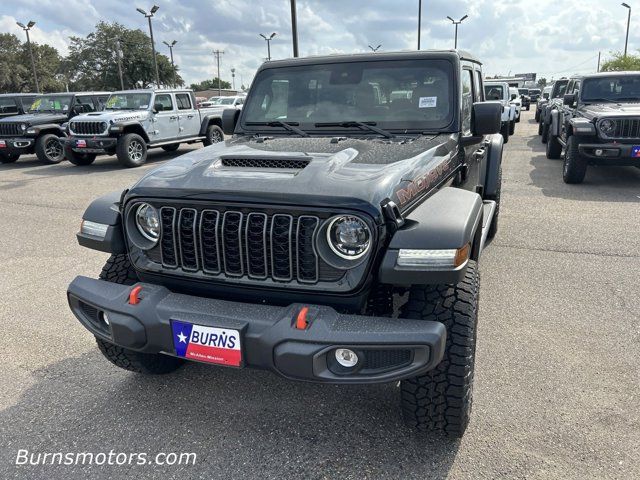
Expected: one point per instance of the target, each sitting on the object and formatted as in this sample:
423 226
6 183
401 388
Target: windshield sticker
427 102
36 104
112 102
143 107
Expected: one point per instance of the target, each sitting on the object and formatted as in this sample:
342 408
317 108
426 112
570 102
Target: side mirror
229 120
513 96
486 118
157 107
569 99
545 96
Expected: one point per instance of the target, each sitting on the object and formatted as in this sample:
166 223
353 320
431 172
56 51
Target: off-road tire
118 269
528 107
554 148
79 159
213 135
575 165
493 228
545 131
441 399
46 150
9 157
504 131
537 117
131 150
512 127
171 148
518 118
539 128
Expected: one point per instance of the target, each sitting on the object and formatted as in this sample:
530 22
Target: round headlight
607 126
103 126
148 222
349 237
23 126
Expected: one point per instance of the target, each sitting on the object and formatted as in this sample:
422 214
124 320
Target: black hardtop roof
19 94
609 74
371 57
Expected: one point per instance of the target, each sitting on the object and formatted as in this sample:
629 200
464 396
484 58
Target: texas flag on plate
81 143
207 344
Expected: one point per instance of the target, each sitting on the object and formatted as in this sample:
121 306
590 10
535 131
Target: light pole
375 49
154 9
294 27
419 21
626 42
456 24
233 78
33 63
217 53
173 67
268 39
119 56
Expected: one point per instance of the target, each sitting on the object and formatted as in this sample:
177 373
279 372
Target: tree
542 82
210 85
620 62
92 63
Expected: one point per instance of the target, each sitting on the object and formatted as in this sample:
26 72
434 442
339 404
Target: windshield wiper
601 100
279 123
361 125
628 99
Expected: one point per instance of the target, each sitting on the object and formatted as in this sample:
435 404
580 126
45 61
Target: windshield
535 91
225 101
395 94
559 89
51 103
128 101
614 88
8 105
493 92
214 99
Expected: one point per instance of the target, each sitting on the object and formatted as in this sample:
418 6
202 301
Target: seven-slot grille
236 243
625 128
7 129
88 128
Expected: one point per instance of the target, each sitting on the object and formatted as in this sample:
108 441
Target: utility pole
419 21
597 71
173 67
294 28
153 10
33 62
119 60
217 53
626 42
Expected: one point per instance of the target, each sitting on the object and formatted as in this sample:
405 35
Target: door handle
190 116
173 117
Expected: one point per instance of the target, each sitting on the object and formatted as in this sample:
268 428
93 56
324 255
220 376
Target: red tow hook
301 319
134 295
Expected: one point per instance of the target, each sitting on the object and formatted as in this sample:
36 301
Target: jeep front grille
87 128
236 242
10 129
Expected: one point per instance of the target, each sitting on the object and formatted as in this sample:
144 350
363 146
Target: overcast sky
550 37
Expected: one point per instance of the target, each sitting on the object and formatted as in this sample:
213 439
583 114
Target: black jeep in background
525 98
334 238
39 130
15 103
599 124
555 102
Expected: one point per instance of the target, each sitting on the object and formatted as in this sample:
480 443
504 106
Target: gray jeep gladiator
335 237
598 124
135 120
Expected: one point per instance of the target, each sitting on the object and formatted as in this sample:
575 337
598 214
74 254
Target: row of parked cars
591 120
80 126
513 100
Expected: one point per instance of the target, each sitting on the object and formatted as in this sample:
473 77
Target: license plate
81 143
3 144
635 151
207 344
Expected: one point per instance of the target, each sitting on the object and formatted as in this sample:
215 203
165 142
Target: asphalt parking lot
557 382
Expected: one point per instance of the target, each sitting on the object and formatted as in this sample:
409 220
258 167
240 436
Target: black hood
350 173
598 110
37 118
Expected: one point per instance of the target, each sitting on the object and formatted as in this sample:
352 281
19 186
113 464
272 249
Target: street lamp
374 49
173 67
626 42
268 39
33 63
456 24
233 78
154 9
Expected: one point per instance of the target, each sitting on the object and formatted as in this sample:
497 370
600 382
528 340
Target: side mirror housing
569 98
486 118
157 107
513 96
545 96
229 120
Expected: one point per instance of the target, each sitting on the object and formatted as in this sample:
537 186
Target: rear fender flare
494 160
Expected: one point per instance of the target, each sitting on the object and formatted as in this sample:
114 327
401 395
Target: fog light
347 358
598 152
105 319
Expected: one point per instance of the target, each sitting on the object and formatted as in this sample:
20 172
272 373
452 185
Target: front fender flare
104 210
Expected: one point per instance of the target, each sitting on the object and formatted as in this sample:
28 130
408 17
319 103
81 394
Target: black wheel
539 128
441 399
554 147
518 118
171 148
214 135
48 149
118 269
79 159
131 150
504 130
493 228
528 107
512 127
545 131
575 165
9 157
538 116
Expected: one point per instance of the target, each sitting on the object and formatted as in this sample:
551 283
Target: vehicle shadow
601 184
240 423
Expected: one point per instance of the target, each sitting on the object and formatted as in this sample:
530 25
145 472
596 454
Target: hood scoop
264 163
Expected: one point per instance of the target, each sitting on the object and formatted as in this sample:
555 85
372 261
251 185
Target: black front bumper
389 349
90 144
16 145
614 154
